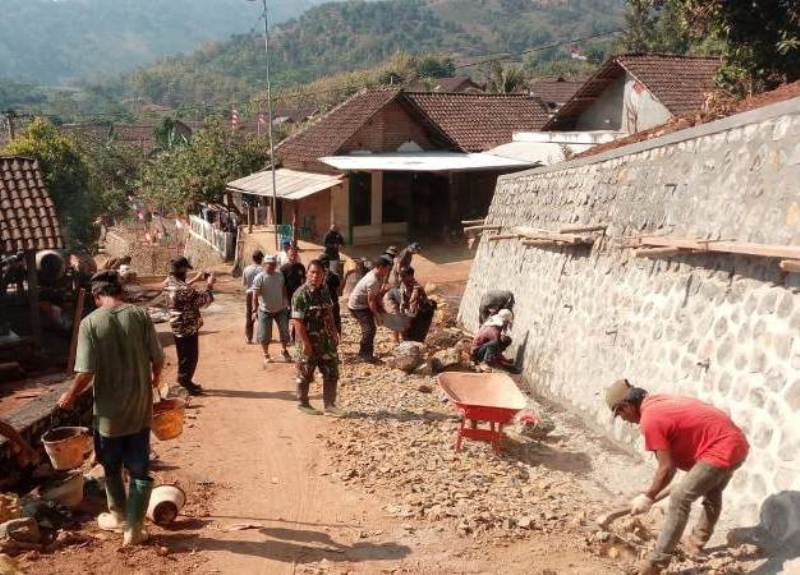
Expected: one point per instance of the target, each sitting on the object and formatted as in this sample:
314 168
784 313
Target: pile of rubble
399 441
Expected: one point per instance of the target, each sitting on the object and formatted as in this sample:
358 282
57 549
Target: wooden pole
578 229
482 228
725 246
660 252
76 324
33 297
790 266
472 222
504 237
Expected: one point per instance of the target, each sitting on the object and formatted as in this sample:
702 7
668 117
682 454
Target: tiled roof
678 82
456 84
554 90
27 214
325 136
478 122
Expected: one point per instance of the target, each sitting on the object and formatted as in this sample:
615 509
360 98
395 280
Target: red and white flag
235 118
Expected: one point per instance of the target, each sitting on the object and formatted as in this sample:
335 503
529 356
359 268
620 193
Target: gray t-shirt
272 295
369 285
249 275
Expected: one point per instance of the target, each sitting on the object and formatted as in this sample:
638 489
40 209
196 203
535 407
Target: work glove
641 504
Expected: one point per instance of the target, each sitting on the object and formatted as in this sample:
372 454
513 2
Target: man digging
317 340
118 351
685 434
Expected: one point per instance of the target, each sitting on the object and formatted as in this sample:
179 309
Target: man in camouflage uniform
185 320
317 340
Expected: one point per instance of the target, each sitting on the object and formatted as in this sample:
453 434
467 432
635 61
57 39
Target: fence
224 243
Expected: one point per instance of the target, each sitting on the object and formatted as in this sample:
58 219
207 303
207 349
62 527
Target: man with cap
185 303
491 340
118 351
317 340
248 277
686 434
365 304
272 302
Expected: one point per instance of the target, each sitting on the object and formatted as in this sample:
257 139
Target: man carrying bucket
118 350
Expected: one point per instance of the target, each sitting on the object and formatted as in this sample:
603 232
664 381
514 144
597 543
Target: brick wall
722 327
317 208
387 131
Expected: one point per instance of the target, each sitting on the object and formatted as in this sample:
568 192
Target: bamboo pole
482 228
725 246
473 222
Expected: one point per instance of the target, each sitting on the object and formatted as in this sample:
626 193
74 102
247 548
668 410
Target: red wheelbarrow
491 398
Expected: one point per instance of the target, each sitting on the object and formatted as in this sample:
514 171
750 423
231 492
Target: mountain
337 37
56 41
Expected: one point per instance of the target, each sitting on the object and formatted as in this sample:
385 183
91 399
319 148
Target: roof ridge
468 94
666 55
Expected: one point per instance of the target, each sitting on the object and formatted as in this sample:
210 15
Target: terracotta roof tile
680 83
554 90
478 122
28 219
325 136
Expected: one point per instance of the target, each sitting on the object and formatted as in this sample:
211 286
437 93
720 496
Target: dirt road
264 498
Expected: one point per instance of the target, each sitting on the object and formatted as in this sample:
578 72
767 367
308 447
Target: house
456 85
142 136
634 92
28 225
554 92
390 164
286 115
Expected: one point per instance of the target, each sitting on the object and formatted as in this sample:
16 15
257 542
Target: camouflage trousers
329 368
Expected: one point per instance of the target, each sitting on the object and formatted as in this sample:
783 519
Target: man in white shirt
248 277
270 298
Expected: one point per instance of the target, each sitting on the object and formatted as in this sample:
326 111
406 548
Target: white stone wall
723 328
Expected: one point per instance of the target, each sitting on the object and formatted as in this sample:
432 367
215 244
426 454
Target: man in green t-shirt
118 350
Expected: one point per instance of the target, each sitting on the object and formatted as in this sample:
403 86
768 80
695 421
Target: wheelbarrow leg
460 436
498 438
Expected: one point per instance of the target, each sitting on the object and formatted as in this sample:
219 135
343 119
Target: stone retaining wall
720 327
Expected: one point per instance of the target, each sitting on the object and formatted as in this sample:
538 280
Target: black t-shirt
294 275
333 281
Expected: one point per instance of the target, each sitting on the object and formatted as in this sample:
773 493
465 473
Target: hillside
356 34
52 42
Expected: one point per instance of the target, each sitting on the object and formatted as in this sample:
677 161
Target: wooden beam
725 246
504 237
33 297
790 266
473 222
482 228
660 252
588 228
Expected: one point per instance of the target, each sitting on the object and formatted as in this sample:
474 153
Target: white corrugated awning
291 184
423 162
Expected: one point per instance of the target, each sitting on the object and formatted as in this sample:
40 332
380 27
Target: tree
66 175
504 79
178 178
113 172
762 39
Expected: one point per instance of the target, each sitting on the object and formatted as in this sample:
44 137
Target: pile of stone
399 439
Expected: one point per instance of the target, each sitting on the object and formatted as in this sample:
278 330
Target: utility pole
270 126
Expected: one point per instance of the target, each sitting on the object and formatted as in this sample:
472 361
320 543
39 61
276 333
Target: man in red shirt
689 435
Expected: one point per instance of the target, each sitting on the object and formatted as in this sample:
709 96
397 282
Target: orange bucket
67 447
168 419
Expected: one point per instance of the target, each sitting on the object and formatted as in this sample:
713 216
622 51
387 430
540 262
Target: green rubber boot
114 520
138 499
